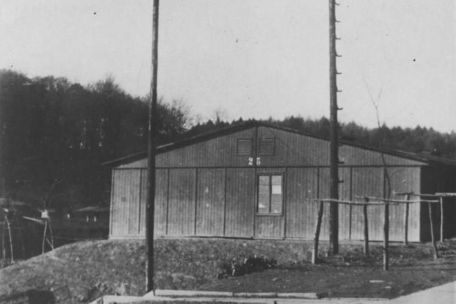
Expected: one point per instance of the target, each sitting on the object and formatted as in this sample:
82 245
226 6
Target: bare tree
387 178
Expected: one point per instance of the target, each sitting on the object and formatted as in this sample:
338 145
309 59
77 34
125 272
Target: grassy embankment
82 271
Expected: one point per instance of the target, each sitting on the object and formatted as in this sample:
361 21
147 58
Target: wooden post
51 235
406 219
151 146
8 225
333 134
431 223
350 209
43 243
386 238
366 228
3 241
317 234
441 220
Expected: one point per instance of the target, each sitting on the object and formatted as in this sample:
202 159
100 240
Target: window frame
282 184
272 140
238 140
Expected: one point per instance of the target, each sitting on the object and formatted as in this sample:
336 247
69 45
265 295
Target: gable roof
425 158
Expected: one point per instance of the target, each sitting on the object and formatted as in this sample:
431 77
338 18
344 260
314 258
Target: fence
365 202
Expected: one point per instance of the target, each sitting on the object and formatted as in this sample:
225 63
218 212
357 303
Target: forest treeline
55 135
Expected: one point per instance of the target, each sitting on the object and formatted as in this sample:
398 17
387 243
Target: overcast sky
252 58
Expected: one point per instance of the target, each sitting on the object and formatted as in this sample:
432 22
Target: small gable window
266 146
244 146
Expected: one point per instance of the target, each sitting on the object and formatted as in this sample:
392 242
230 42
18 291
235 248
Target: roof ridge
256 123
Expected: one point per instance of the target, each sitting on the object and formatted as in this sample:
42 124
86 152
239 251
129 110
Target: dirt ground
352 275
81 272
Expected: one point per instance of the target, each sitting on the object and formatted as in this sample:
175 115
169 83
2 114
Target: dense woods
54 135
419 139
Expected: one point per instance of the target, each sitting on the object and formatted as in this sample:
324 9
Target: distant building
92 214
259 181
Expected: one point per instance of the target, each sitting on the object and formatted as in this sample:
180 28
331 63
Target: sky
250 58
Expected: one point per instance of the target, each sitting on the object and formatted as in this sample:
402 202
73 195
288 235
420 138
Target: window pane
276 204
276 189
276 199
264 180
263 194
276 180
263 199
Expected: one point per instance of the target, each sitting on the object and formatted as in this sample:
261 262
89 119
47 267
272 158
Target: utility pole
151 147
334 148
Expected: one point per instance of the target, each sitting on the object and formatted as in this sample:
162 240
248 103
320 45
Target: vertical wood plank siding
161 201
404 180
294 149
344 210
114 220
323 188
142 204
269 227
181 208
207 189
210 202
301 188
368 182
216 152
111 205
133 197
239 204
125 202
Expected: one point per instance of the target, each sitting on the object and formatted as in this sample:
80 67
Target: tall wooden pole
334 158
151 146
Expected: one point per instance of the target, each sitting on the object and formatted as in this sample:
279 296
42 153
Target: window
244 146
266 146
270 196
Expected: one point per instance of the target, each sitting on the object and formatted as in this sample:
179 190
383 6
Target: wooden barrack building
257 180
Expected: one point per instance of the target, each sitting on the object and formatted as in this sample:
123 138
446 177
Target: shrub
243 265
